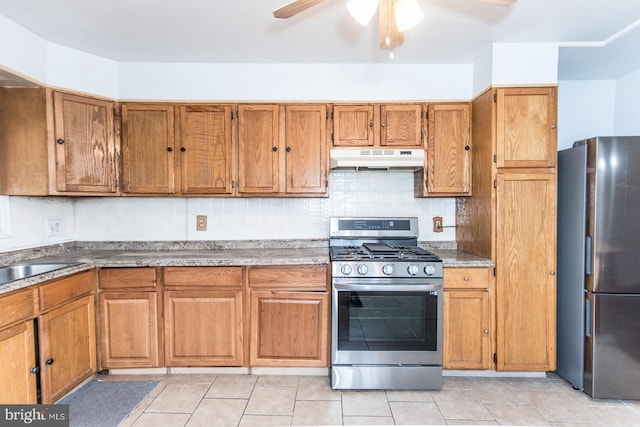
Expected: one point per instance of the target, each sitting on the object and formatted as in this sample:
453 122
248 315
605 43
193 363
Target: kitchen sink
22 271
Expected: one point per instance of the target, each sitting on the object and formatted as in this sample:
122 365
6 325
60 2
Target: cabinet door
526 127
203 328
129 330
17 358
466 327
448 156
401 125
306 148
258 146
525 260
67 347
147 148
205 149
354 126
289 328
85 152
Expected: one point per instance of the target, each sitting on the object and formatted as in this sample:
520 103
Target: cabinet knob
371 124
34 370
553 273
288 149
553 126
466 147
466 278
384 125
183 149
60 141
274 149
49 361
169 149
486 331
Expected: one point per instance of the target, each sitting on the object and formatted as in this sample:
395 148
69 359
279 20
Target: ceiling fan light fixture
408 14
362 10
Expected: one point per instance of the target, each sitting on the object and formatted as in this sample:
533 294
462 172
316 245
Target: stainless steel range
386 306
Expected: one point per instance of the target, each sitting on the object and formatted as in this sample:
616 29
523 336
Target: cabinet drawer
127 278
16 306
58 291
203 276
466 278
313 277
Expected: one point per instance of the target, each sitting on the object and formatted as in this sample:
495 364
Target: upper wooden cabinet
282 149
447 169
85 149
374 125
258 145
52 142
148 148
205 149
526 122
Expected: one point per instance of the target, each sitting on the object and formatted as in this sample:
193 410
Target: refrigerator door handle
587 318
589 256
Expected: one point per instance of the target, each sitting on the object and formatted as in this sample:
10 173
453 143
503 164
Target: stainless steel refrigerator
598 306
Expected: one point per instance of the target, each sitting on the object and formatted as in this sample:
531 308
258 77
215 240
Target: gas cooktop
381 251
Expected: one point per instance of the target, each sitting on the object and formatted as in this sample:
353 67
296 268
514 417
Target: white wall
627 118
586 108
27 225
351 194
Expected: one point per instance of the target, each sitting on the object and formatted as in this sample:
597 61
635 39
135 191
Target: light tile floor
248 400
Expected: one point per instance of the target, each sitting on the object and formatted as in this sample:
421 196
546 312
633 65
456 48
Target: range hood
377 158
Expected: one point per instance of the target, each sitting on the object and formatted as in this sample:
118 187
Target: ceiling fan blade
387 28
500 2
293 8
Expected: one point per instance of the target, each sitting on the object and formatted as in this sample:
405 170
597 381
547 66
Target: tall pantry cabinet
511 218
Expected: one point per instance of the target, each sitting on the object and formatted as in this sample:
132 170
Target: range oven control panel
389 269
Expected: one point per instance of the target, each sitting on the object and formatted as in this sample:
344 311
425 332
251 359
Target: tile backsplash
174 218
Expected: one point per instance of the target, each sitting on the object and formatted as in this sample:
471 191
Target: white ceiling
245 31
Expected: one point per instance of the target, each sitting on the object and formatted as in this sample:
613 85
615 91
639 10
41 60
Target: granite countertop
87 255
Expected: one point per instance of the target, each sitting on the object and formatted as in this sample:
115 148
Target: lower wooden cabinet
17 359
289 316
467 323
203 316
67 347
203 328
129 330
130 334
289 328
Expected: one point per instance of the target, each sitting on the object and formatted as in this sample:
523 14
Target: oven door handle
388 288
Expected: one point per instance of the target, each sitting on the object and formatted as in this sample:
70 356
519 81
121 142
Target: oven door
386 322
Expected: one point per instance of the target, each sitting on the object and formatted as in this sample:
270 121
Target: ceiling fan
395 16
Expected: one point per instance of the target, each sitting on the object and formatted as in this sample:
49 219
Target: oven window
387 321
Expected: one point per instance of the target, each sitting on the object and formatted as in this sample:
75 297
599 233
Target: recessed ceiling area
245 31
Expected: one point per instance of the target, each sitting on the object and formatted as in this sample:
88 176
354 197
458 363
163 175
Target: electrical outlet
437 224
54 227
201 223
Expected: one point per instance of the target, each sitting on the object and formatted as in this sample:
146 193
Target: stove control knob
387 269
363 269
429 269
412 269
346 269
